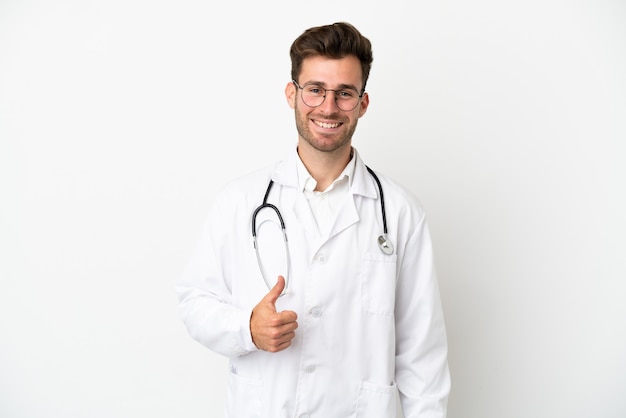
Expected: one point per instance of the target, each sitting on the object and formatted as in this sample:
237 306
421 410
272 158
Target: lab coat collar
306 182
286 174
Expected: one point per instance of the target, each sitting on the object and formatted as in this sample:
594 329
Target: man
332 321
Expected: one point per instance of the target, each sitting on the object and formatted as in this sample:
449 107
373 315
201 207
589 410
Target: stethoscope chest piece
385 245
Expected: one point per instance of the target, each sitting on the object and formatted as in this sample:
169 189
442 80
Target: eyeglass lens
314 95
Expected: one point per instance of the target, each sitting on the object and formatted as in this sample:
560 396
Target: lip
330 124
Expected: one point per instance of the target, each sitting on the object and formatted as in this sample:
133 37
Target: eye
346 94
315 90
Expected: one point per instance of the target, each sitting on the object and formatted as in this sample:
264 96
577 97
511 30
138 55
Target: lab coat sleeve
422 373
204 294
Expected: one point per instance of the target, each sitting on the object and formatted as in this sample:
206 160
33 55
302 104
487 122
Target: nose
330 102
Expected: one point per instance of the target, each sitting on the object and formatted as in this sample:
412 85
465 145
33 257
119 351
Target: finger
285 324
275 292
286 317
282 343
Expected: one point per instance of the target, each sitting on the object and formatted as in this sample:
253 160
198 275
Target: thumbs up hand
272 331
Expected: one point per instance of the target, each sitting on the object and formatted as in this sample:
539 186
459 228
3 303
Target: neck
325 167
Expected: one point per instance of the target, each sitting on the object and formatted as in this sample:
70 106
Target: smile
327 125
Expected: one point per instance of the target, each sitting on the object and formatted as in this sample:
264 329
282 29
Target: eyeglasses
313 95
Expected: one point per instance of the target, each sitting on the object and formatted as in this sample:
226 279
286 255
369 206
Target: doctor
328 322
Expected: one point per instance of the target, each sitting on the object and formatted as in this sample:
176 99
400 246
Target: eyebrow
324 85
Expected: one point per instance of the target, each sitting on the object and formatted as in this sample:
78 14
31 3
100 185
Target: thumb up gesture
272 331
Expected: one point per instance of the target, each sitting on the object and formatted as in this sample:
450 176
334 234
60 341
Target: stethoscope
383 242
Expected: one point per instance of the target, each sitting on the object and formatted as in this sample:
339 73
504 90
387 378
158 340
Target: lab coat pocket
242 388
376 401
378 283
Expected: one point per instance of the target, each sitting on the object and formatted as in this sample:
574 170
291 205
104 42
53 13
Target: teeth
327 125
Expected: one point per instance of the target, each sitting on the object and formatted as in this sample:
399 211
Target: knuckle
275 334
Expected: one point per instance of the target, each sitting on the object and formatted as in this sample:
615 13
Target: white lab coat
370 324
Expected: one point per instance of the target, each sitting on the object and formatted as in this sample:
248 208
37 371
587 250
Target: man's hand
272 331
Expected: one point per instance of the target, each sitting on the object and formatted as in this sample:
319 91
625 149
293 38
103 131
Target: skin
272 331
325 152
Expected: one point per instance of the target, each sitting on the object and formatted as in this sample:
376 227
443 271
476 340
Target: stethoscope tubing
385 246
382 199
266 205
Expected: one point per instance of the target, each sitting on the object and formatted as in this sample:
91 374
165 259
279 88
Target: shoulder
402 203
398 191
237 195
397 196
247 183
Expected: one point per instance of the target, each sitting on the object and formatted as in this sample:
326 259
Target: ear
365 102
290 94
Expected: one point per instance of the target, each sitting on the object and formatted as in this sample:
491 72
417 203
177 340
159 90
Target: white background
120 119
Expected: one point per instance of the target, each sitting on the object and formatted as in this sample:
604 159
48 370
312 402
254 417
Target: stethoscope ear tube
254 240
266 205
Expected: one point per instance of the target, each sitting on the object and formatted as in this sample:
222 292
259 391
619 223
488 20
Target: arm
204 294
422 373
206 303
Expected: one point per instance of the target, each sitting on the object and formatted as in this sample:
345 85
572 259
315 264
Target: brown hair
337 40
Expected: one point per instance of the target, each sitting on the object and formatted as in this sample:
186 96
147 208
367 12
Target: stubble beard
320 144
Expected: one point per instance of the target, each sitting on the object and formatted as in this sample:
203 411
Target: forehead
332 72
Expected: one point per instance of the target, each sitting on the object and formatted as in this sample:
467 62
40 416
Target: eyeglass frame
360 96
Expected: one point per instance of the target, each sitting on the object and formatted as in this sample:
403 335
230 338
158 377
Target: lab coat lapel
286 174
361 185
347 216
305 218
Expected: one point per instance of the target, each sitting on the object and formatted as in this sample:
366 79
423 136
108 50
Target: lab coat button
316 312
309 369
322 259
